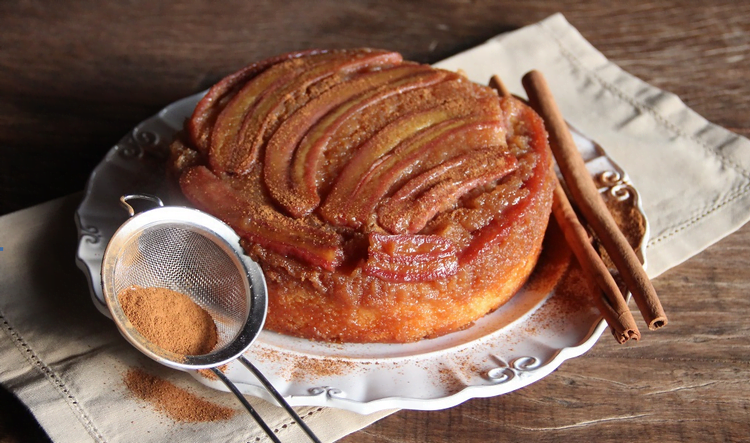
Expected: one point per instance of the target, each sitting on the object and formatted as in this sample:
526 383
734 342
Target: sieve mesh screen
183 258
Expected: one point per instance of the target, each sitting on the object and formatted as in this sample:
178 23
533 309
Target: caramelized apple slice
225 136
409 258
200 124
334 209
223 147
282 98
499 228
259 224
281 148
494 233
423 151
438 189
308 155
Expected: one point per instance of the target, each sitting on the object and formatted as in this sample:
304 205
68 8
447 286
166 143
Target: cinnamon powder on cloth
172 321
169 319
177 403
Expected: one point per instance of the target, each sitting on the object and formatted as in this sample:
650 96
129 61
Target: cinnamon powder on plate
169 319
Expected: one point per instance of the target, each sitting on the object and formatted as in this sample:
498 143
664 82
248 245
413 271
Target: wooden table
75 76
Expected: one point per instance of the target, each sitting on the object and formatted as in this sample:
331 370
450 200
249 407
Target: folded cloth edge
683 239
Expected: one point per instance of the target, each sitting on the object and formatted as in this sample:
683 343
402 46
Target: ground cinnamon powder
169 319
177 403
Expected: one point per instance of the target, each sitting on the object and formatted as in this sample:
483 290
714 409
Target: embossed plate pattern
518 344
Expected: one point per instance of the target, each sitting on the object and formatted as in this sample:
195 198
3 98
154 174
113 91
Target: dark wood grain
76 75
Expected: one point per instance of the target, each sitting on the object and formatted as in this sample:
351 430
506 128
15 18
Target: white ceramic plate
516 345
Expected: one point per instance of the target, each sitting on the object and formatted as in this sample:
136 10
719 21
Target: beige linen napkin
66 362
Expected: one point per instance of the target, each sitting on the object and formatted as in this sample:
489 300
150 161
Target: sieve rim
225 237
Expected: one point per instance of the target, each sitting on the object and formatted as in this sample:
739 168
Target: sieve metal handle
258 419
279 398
125 201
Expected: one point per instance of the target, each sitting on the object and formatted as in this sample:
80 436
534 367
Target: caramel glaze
386 201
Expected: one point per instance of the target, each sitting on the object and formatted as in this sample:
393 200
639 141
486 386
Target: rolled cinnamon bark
499 86
608 298
587 199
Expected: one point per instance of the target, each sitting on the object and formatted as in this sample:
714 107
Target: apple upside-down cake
385 200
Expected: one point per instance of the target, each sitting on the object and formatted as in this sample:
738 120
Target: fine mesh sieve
196 254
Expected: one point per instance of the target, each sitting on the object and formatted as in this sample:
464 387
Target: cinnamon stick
586 197
499 86
610 301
